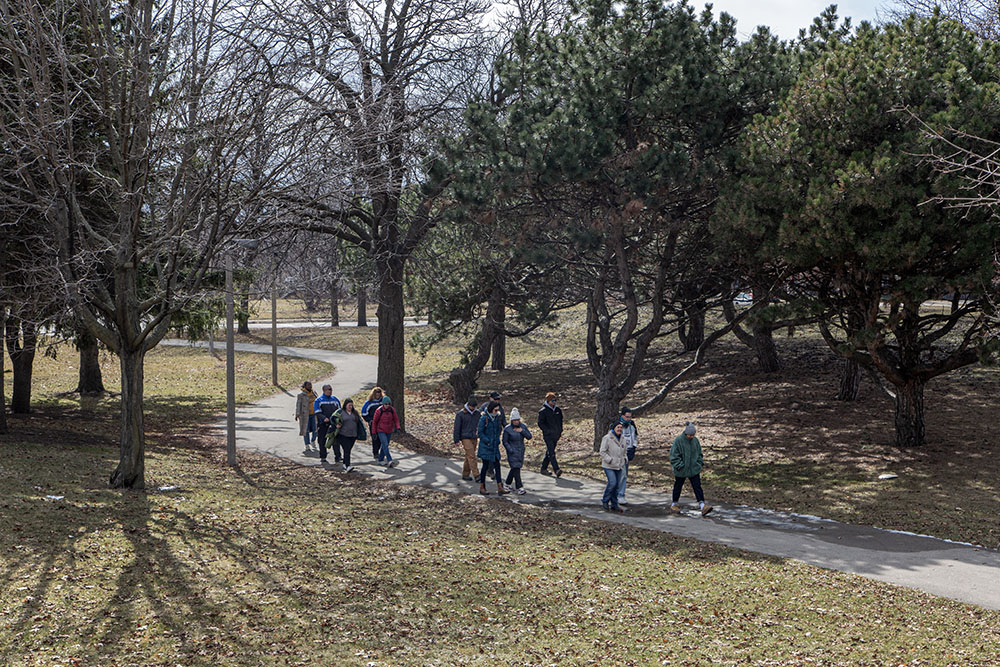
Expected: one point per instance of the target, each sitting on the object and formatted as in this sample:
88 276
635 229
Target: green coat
338 421
685 456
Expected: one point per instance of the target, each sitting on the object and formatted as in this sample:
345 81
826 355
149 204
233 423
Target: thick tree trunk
243 316
463 384
692 330
391 357
90 381
362 306
605 413
21 348
763 347
463 379
130 473
910 414
850 381
499 354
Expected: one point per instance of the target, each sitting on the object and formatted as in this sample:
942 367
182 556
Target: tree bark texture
764 349
692 330
362 306
463 379
850 381
21 339
910 414
130 473
498 358
334 303
391 350
243 316
90 380
3 376
606 412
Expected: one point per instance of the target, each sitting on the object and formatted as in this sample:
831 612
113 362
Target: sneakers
674 509
520 491
466 478
508 488
324 461
621 501
348 468
392 464
706 509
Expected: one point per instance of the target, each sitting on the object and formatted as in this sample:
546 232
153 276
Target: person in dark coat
686 459
348 427
466 434
514 435
494 397
550 423
490 428
368 413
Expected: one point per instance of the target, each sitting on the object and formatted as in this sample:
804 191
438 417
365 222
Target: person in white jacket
613 457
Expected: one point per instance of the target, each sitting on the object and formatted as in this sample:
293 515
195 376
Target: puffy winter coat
385 420
612 451
685 456
490 428
514 443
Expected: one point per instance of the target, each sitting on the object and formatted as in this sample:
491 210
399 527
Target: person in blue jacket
368 413
323 407
490 428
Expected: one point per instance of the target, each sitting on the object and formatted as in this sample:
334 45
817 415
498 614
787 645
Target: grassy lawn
777 441
275 564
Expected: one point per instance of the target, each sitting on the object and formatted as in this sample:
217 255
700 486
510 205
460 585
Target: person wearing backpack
385 422
686 460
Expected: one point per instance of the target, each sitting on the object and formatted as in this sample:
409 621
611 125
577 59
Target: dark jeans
487 467
321 432
515 475
550 455
346 443
695 484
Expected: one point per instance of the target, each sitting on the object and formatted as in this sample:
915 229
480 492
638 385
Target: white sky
785 17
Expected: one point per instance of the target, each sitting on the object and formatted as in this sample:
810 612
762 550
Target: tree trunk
910 414
21 348
763 347
605 413
499 354
90 381
130 473
692 330
850 381
243 316
334 303
463 383
391 357
463 379
362 306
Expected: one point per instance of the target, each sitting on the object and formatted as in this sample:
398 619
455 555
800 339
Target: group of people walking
481 430
323 420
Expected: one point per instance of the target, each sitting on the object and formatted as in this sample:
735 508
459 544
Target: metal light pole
274 334
230 368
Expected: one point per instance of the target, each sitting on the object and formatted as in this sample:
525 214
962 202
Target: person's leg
696 485
611 488
548 451
552 459
621 483
306 435
323 428
383 447
516 472
376 443
678 485
346 444
510 476
470 458
312 427
336 449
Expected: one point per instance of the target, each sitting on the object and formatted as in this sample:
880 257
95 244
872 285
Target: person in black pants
349 426
550 422
368 412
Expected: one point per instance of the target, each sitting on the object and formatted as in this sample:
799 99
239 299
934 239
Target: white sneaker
508 488
621 501
392 464
348 468
521 491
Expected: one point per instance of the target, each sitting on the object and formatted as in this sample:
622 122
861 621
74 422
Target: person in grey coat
514 436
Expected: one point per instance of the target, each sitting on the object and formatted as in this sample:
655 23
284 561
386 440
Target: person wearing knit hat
514 436
686 459
385 422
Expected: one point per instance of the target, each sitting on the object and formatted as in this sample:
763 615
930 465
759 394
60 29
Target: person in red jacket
385 423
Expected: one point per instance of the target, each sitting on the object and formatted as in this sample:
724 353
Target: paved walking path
948 569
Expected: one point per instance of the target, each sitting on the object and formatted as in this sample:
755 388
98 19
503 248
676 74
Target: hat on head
515 414
689 428
626 409
386 401
494 395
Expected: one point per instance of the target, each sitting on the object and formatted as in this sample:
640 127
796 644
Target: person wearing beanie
385 422
550 423
514 435
613 461
630 436
686 460
489 430
466 434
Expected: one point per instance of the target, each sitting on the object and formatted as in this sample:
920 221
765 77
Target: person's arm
676 460
525 433
457 432
481 429
605 451
701 459
316 406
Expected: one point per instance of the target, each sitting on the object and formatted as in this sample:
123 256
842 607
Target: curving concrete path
958 571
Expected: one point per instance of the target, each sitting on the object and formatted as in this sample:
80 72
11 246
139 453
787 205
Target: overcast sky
785 17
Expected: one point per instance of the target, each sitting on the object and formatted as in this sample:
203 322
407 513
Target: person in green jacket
686 459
